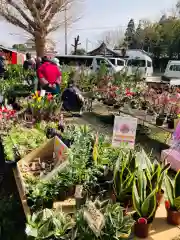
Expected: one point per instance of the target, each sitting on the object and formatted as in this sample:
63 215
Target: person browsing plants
49 76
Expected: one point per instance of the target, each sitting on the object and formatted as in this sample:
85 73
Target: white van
142 64
119 63
91 63
172 70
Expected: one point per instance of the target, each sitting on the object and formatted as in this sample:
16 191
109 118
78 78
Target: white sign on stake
124 131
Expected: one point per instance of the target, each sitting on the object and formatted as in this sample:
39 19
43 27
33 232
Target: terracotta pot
173 217
159 197
142 230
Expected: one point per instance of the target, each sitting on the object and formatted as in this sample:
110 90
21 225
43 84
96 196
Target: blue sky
97 17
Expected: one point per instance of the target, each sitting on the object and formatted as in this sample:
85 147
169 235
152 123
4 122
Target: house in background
49 48
104 51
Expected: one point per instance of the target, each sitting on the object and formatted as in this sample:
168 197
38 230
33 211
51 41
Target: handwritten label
94 218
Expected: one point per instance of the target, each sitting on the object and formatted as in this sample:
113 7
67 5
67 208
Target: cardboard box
171 156
54 149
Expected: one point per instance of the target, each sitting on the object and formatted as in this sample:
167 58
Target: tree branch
55 7
13 20
26 18
35 11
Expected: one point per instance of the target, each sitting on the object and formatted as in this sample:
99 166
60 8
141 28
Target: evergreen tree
130 34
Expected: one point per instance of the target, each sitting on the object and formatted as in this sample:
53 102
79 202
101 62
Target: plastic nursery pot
71 191
48 204
170 123
173 217
159 197
141 230
116 106
160 120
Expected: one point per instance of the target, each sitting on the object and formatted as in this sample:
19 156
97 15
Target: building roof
103 50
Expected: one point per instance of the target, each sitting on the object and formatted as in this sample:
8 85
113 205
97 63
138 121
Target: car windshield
136 63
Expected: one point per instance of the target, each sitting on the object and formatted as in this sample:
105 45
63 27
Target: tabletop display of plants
120 177
117 191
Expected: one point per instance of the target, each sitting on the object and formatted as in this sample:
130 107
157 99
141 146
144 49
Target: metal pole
87 41
65 30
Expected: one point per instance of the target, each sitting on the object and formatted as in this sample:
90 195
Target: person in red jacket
49 76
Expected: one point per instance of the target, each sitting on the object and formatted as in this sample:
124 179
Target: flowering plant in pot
144 204
172 204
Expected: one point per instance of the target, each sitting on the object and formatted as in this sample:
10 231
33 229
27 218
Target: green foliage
29 140
116 225
48 224
143 202
124 173
173 192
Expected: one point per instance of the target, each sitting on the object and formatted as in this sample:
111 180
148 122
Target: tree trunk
40 42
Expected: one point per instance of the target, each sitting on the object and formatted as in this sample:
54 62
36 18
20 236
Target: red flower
167 204
142 221
49 96
38 93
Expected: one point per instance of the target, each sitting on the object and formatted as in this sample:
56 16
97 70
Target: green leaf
136 199
177 185
148 207
169 190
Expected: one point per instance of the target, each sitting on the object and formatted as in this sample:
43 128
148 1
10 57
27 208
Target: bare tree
37 17
112 38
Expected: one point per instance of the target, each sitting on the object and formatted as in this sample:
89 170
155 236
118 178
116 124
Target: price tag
43 92
79 192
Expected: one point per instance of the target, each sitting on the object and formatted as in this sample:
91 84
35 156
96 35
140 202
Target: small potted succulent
145 205
172 204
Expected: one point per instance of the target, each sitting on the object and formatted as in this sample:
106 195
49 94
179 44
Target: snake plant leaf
136 199
177 185
169 190
148 207
177 203
142 185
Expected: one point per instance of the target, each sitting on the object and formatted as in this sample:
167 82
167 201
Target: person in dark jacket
72 99
29 63
2 66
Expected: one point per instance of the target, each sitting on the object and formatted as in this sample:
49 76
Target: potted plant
156 174
123 182
110 224
172 203
49 224
144 204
